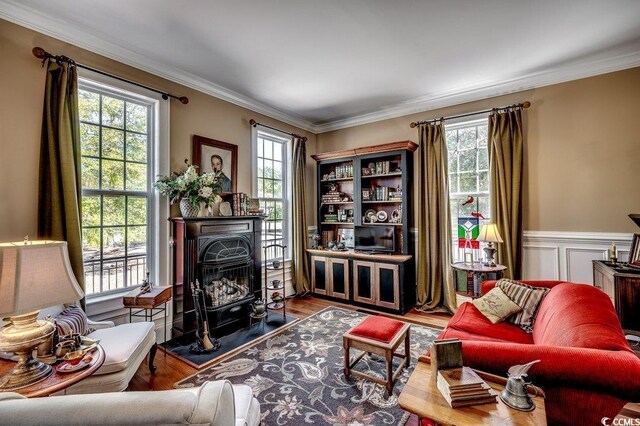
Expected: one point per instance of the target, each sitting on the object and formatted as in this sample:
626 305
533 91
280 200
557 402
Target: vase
189 209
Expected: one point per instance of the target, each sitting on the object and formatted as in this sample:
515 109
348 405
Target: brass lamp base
22 337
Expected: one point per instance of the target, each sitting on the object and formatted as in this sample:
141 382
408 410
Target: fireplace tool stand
203 344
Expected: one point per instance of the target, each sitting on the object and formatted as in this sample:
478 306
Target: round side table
469 276
56 381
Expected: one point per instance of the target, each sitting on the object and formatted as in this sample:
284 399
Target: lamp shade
35 275
489 233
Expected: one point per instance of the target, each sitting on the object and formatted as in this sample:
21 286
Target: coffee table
420 396
56 381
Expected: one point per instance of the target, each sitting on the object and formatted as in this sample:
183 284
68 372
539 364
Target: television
375 238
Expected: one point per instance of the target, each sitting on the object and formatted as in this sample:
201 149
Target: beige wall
582 157
22 88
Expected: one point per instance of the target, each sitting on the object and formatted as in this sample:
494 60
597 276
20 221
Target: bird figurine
469 201
477 215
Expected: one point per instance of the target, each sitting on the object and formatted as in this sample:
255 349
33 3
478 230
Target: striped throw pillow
72 320
525 296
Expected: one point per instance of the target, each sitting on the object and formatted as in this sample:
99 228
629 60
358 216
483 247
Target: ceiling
329 64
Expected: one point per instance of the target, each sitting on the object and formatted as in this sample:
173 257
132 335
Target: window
116 135
468 179
271 186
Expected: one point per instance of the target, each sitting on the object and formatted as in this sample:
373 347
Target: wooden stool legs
388 351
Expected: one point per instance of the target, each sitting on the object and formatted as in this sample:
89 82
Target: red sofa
587 369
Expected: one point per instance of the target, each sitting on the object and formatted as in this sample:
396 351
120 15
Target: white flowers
189 184
205 192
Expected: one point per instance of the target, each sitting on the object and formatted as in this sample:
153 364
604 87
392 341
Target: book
460 378
446 353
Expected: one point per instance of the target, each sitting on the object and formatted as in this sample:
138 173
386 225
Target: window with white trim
271 186
468 179
117 135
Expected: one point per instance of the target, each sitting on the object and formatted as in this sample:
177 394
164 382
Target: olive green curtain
505 164
299 217
60 191
436 289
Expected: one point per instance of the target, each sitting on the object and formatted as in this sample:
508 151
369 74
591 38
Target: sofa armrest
614 372
489 284
99 325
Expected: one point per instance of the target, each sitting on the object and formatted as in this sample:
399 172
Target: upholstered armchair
125 347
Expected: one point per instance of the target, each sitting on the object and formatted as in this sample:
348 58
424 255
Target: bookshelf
365 187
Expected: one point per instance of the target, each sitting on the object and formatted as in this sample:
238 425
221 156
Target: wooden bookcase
354 186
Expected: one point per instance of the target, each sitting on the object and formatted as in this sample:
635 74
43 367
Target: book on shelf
239 203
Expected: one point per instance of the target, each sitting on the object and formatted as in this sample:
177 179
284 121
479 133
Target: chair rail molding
567 256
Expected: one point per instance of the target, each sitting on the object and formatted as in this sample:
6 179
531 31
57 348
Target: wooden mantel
391 146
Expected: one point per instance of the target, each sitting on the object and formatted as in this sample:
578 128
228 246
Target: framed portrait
634 253
213 156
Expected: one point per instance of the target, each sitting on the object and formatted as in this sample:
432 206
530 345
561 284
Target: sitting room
343 213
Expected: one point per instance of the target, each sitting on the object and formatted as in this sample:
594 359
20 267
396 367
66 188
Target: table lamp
33 275
489 234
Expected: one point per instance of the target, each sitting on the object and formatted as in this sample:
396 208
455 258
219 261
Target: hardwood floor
171 370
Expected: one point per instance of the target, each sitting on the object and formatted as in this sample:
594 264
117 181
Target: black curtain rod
40 53
254 123
525 104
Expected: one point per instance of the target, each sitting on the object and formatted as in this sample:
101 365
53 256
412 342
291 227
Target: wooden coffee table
56 381
420 396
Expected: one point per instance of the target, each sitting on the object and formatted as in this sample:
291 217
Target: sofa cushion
581 316
378 328
122 344
470 320
247 407
496 306
525 296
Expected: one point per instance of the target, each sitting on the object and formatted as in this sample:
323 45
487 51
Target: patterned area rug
297 374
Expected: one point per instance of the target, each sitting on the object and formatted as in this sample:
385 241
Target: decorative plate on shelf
369 214
382 216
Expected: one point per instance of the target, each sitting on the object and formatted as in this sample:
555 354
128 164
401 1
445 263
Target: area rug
179 347
296 374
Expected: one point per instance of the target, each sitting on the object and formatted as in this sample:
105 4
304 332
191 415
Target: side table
469 276
148 305
421 397
56 381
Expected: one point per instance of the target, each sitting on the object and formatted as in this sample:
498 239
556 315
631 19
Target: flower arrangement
190 185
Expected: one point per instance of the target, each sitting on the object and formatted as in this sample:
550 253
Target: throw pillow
496 306
525 296
72 320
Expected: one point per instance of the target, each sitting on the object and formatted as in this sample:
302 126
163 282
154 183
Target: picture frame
209 153
634 252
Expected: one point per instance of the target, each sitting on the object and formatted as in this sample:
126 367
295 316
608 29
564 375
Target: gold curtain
505 164
60 191
299 217
435 278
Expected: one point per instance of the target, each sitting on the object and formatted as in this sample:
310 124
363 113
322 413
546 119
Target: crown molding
489 90
35 20
19 14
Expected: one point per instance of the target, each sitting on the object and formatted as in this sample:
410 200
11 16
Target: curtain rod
40 53
254 123
525 104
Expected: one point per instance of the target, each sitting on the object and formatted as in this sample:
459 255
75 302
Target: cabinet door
339 278
319 277
388 285
363 281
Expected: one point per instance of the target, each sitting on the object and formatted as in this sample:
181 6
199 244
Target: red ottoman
381 336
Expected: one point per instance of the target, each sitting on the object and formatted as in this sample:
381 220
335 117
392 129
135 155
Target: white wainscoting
567 256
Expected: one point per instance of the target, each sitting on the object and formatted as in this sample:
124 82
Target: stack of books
462 387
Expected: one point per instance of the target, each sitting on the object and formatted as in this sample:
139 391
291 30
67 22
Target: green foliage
190 185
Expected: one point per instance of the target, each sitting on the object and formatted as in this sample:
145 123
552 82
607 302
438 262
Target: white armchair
214 403
125 347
